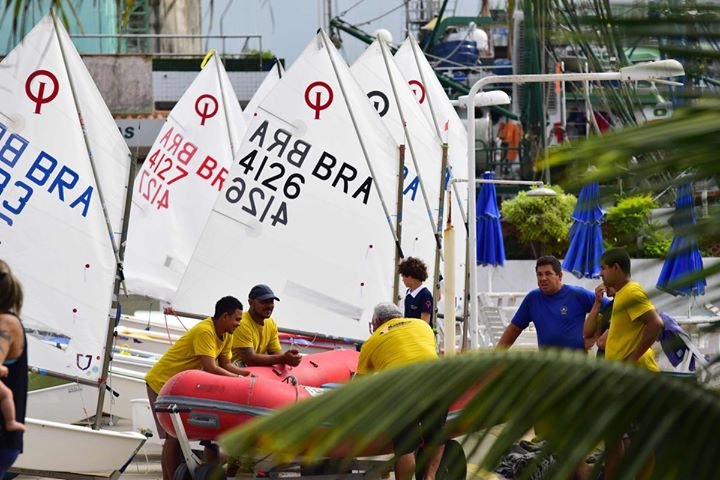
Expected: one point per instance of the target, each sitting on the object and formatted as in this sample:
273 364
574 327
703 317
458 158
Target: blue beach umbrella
684 257
586 241
490 247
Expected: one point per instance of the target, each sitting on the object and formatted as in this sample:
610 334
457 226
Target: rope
381 16
293 381
343 13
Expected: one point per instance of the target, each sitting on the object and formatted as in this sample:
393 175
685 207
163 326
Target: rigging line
102 381
415 48
344 12
459 45
91 158
385 54
327 45
223 96
383 15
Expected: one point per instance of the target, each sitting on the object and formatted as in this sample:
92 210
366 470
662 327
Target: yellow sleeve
243 336
274 340
204 343
364 366
226 351
638 303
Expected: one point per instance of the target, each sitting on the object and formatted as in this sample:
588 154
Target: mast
398 222
363 148
102 381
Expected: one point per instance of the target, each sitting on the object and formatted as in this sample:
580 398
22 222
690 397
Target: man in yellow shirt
635 326
395 342
205 346
256 342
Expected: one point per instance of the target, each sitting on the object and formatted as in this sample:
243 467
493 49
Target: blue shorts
7 458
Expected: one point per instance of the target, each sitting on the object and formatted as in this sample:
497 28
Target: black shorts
152 396
425 431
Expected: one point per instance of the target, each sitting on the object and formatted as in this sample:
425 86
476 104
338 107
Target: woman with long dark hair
13 356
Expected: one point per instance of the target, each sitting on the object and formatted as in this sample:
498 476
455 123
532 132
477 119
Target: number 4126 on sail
257 202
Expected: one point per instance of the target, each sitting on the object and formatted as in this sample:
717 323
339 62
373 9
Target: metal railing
152 43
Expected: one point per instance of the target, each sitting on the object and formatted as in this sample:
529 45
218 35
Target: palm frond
19 10
686 141
586 401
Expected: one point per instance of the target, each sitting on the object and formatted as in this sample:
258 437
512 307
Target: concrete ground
146 466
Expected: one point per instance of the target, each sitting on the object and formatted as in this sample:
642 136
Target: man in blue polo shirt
558 311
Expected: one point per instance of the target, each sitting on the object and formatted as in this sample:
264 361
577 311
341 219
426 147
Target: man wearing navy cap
255 341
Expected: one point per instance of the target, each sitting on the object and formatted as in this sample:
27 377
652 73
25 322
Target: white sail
179 182
439 111
53 232
301 210
268 83
387 90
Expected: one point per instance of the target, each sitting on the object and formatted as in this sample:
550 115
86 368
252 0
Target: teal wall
94 17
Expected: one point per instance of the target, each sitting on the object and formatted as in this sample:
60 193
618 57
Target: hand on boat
292 358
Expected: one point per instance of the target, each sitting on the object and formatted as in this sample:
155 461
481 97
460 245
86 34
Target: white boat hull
153 332
134 360
149 341
159 322
62 451
73 402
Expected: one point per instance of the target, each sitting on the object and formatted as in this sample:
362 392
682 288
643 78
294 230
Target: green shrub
627 225
542 223
656 244
263 54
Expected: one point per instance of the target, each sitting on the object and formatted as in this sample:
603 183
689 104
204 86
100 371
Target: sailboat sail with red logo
178 183
63 168
305 207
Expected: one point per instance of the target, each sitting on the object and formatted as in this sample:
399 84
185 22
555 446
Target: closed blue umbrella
586 241
684 258
490 247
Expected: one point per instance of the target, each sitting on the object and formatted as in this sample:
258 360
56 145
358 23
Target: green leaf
584 400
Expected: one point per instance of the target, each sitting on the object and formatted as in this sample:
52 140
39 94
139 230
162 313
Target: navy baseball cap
262 292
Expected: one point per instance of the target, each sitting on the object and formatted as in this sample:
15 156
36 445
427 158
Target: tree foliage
628 225
655 157
679 419
18 11
541 222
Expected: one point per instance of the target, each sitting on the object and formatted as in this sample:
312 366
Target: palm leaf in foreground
586 401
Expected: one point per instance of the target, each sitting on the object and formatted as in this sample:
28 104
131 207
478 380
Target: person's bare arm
10 332
592 323
211 366
602 340
511 333
653 327
250 358
226 364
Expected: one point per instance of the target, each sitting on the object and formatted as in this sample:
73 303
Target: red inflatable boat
315 370
213 404
210 405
